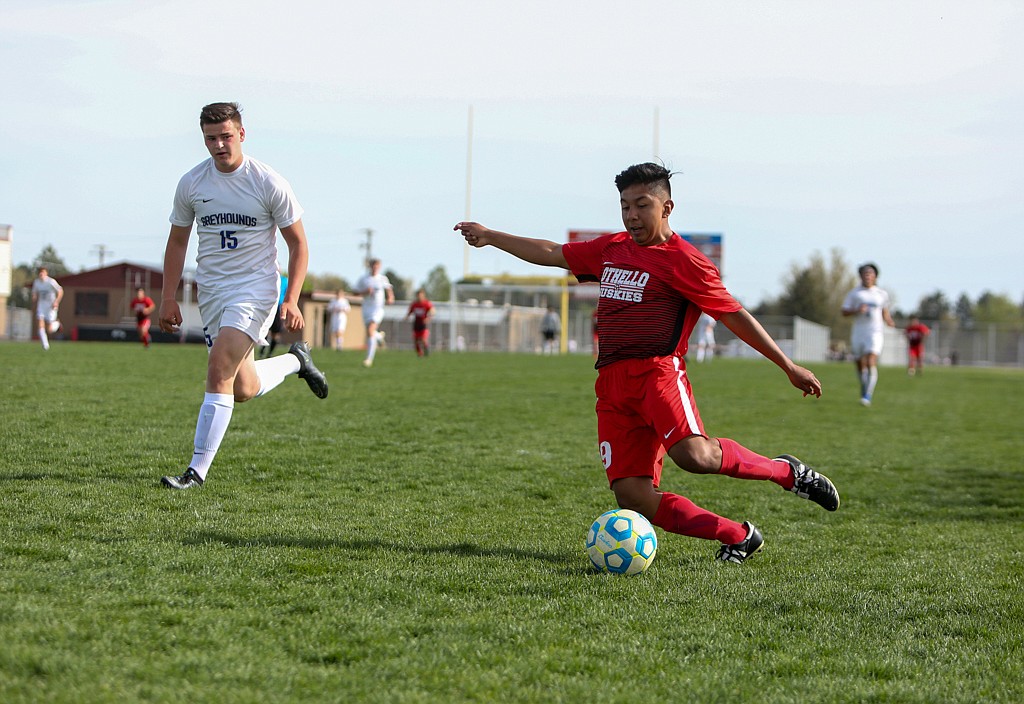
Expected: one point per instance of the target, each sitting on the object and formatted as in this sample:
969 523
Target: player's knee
697 454
635 495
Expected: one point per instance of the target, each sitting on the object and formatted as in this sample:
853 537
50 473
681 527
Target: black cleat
808 484
308 371
745 548
187 480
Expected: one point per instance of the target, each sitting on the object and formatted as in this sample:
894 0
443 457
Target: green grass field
418 537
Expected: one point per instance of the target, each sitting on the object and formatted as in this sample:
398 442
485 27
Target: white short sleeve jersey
375 286
236 216
876 300
339 308
45 291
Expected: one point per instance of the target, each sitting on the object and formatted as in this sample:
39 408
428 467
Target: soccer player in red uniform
421 311
654 286
142 307
916 332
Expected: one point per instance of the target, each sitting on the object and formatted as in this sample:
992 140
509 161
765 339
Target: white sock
872 380
214 417
274 370
43 338
371 347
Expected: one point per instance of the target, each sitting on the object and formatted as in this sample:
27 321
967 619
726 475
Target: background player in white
706 337
870 306
238 204
339 308
375 288
46 297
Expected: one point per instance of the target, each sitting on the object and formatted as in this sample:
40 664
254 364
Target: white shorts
867 342
339 325
47 312
251 317
373 315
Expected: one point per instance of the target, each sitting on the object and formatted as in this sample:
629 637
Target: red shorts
421 334
915 352
644 407
142 324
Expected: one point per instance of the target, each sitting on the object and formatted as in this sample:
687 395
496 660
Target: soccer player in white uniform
375 287
870 306
339 308
706 337
238 204
46 297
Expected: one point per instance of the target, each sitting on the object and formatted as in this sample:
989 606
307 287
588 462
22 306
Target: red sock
739 462
677 514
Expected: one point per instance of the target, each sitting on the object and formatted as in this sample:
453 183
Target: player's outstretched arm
535 251
174 263
746 327
298 263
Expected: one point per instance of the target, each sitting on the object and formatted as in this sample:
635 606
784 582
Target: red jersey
139 306
916 334
651 297
420 310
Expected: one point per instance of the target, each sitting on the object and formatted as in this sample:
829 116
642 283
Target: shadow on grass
968 494
456 549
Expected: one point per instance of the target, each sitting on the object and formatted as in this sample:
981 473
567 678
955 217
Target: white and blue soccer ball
621 542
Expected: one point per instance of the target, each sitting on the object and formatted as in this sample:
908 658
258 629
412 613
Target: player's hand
170 316
292 317
474 233
805 380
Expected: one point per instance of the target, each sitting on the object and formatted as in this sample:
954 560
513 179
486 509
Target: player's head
216 113
421 294
645 196
223 133
654 176
868 270
375 265
140 292
42 272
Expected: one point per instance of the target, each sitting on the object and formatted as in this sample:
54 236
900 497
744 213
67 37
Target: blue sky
891 131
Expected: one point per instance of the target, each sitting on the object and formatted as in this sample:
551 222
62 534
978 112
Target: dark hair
867 265
648 174
216 113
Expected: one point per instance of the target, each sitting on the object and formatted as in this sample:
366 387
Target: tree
815 292
325 282
996 308
49 258
934 306
437 285
965 312
399 285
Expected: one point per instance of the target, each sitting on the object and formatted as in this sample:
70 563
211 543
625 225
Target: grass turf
418 537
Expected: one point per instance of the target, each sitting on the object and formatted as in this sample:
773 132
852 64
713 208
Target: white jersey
339 308
236 216
876 300
706 329
45 291
375 287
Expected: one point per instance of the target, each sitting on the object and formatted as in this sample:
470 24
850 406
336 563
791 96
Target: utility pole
103 251
368 246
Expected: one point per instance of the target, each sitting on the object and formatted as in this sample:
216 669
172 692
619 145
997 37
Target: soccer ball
621 542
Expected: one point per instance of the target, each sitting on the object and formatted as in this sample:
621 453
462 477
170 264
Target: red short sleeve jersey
651 297
916 334
420 310
139 307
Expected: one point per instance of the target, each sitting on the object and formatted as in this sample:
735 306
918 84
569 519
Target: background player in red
654 286
916 332
421 310
142 307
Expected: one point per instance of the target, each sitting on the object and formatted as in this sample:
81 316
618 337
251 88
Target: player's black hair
648 174
867 265
216 113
